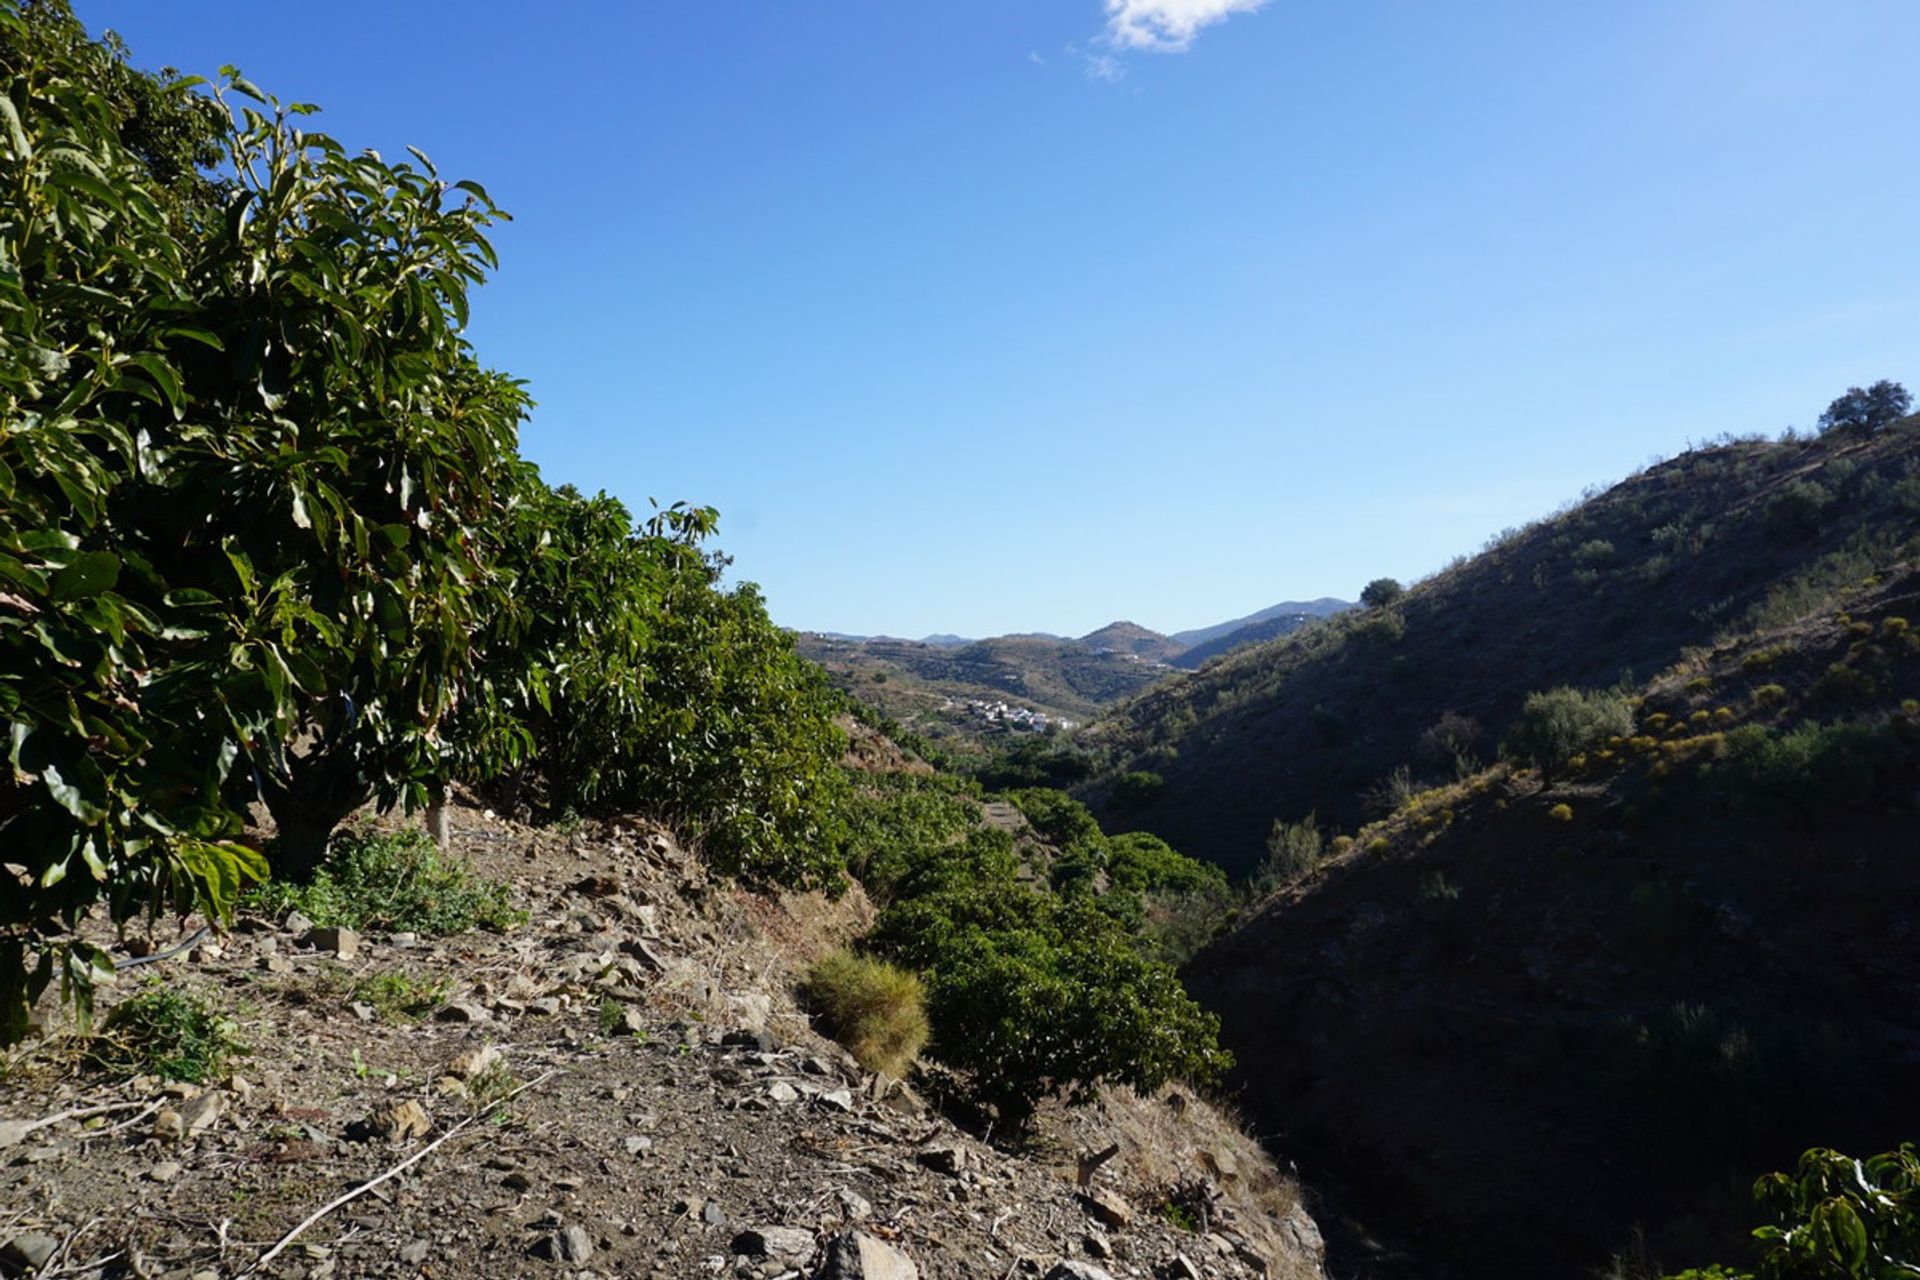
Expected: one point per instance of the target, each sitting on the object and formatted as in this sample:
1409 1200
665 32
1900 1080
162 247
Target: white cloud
1167 26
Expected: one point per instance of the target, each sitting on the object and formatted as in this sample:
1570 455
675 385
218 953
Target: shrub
1809 770
1835 1217
1798 508
1136 789
1556 725
1596 554
1058 817
1561 812
162 1031
1293 850
878 1011
1770 695
395 881
1030 994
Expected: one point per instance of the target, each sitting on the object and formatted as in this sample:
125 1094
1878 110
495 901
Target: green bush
1835 1217
1032 994
1596 554
1293 849
1381 592
1810 769
1559 724
892 819
1136 789
163 1031
1798 508
393 881
877 1010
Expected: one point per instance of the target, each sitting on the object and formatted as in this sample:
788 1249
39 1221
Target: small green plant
1180 1217
1435 888
492 1086
878 1011
401 997
611 1016
1561 812
398 881
177 1035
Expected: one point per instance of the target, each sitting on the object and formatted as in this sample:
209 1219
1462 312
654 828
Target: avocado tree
250 477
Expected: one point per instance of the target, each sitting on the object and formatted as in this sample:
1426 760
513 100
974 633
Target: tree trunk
321 792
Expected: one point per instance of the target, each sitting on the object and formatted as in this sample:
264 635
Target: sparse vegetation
1381 592
393 881
167 1032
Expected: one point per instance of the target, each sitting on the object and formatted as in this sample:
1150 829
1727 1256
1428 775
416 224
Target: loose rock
856 1255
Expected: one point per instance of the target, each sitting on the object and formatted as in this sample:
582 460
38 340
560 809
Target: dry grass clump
875 1009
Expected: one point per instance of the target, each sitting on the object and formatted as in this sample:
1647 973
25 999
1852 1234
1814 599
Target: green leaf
70 798
87 574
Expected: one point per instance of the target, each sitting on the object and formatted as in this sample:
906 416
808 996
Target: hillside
1534 1025
1321 608
622 1085
929 687
1715 541
1268 628
1129 637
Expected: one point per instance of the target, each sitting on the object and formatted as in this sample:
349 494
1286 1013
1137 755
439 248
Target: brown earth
675 1102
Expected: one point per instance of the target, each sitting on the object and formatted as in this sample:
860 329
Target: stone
168 1126
631 1022
1182 1268
29 1252
855 1255
296 923
1097 1245
1107 1208
855 1206
462 1011
473 1062
276 964
1225 1164
165 1171
782 1092
416 1253
949 1159
637 1144
344 943
1071 1269
783 1244
751 1038
202 1112
712 1214
837 1100
574 1244
402 1121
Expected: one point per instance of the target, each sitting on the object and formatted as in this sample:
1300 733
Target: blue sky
997 315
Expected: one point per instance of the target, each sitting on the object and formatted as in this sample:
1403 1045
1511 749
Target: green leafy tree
1863 411
115 765
1381 592
1836 1218
250 475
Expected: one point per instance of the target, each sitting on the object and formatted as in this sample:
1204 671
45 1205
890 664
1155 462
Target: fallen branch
394 1172
16 1131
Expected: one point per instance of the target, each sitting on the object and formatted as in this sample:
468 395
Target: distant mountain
1129 637
1269 628
1325 606
945 640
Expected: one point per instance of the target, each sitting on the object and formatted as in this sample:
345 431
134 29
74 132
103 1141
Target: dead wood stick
398 1169
12 1131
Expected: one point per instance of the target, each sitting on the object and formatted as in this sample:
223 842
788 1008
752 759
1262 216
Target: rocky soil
622 1087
